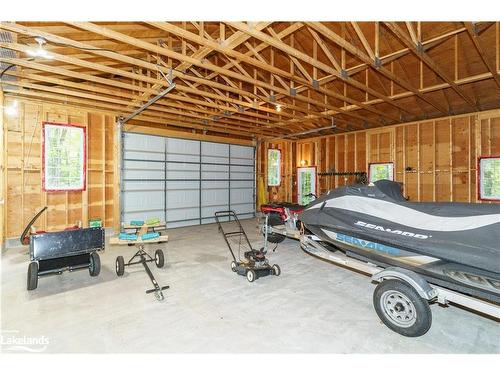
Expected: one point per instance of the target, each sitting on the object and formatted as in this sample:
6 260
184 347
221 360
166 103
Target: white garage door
184 182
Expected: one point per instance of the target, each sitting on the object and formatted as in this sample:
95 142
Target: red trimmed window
64 157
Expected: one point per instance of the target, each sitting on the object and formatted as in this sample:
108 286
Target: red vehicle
282 220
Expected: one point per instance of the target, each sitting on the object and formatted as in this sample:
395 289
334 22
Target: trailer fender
415 280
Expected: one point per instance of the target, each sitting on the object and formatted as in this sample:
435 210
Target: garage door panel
136 201
195 179
243 208
183 198
183 175
214 196
182 146
182 214
182 185
241 195
142 142
214 185
209 212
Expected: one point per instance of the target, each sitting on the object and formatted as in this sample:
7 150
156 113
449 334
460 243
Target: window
381 171
63 157
273 167
489 178
306 181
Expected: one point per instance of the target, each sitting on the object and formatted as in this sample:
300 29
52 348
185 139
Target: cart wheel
32 276
120 265
95 264
251 276
276 270
159 258
274 219
233 266
400 308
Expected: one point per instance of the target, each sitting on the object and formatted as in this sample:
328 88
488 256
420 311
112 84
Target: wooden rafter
475 40
366 59
396 30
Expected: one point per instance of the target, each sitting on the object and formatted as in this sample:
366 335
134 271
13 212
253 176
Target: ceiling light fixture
11 110
40 51
278 107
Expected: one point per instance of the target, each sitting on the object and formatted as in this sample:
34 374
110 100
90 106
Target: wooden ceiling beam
119 57
232 42
325 31
363 40
308 59
164 120
139 78
242 57
166 105
163 51
418 51
126 86
482 53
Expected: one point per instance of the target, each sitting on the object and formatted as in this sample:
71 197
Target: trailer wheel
251 276
32 276
233 266
159 258
400 308
274 219
120 266
95 264
276 270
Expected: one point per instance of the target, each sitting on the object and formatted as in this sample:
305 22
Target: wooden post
433 161
117 178
3 197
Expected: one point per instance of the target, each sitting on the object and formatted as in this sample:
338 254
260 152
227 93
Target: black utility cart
254 263
69 250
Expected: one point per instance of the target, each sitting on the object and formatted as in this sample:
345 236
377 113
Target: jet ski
453 245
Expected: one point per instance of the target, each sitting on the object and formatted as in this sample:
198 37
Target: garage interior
179 121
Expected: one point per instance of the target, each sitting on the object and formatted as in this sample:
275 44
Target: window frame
84 166
315 181
279 167
479 190
384 163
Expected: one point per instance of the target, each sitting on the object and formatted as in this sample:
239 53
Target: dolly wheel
276 270
120 266
159 258
401 308
233 266
32 276
95 264
251 276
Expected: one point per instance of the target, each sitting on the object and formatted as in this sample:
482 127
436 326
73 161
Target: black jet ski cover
465 233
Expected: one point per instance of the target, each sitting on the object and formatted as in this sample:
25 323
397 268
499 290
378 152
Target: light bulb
278 107
11 110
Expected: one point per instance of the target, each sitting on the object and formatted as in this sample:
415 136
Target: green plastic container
95 223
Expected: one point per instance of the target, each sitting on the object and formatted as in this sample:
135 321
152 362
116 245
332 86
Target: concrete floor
312 307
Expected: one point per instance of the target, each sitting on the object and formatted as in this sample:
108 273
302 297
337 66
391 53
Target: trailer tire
159 258
95 264
401 308
120 266
274 219
32 276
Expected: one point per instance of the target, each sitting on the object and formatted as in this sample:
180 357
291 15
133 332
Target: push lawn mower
254 263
